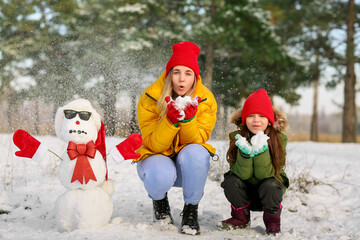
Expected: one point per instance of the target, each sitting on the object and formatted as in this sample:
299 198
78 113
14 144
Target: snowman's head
77 121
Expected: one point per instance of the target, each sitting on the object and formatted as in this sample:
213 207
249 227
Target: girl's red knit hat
185 54
258 103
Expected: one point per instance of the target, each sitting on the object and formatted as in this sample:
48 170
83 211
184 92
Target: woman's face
256 123
182 79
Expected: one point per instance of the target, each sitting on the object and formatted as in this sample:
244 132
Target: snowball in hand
181 102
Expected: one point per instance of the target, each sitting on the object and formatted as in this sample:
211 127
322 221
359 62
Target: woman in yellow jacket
174 150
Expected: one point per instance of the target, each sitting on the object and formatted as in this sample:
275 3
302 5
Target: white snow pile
322 202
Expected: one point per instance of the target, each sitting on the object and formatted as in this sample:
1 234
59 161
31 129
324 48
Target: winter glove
126 149
173 113
259 143
191 109
29 146
243 144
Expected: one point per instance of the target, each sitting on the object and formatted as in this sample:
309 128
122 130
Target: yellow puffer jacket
163 137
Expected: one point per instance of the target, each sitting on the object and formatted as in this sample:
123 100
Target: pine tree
349 132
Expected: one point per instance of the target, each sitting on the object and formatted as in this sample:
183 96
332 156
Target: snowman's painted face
78 127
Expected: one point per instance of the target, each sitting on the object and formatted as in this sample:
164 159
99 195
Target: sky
328 101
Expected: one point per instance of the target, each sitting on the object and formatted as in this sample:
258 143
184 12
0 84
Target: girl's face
256 123
182 79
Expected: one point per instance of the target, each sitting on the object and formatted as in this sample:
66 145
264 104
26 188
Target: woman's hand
191 108
173 113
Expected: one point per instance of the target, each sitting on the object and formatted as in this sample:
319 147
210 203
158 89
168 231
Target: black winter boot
189 223
162 210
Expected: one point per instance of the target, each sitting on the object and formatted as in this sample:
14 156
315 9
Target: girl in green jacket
256 180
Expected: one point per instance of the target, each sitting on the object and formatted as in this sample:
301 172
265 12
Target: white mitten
243 144
259 143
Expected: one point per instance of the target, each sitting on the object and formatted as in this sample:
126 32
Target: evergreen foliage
101 49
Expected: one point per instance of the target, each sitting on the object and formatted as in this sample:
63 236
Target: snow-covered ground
322 203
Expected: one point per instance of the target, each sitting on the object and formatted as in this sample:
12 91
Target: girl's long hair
168 91
277 153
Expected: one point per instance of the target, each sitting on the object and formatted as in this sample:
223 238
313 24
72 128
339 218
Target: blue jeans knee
158 174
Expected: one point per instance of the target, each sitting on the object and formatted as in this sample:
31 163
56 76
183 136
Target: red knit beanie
186 54
258 103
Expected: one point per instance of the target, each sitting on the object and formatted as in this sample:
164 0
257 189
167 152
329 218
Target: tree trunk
37 117
218 132
109 108
349 130
209 65
9 112
133 120
226 122
314 128
209 54
12 112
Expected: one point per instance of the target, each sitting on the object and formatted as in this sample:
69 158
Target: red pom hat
258 103
185 54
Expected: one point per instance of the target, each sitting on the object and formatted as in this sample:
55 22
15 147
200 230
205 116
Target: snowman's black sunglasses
84 115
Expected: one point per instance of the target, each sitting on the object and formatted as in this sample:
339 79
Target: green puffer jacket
258 167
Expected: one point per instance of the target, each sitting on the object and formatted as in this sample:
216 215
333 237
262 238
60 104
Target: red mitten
28 144
191 108
126 149
173 113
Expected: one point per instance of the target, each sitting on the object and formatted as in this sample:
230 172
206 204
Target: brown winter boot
240 218
272 222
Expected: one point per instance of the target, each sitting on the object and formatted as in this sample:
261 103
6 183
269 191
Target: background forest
109 51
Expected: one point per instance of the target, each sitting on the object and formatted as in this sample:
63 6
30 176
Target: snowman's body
83 209
67 167
83 206
87 202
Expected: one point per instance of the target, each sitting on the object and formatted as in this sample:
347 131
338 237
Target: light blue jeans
189 170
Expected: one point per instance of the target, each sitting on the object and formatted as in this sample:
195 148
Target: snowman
87 202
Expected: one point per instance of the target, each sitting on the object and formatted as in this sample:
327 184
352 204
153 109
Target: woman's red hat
185 54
